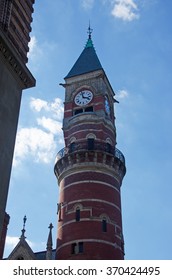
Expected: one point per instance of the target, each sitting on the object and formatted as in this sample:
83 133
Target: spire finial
50 226
49 244
89 43
90 30
24 221
23 230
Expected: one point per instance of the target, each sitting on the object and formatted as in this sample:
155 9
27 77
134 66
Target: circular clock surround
83 97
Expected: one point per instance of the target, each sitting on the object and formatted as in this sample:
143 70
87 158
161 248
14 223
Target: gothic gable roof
22 251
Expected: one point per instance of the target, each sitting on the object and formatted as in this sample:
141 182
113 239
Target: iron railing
91 146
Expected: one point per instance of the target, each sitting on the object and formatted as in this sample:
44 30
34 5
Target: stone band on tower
90 168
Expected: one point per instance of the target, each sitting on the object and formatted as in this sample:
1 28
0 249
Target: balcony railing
91 145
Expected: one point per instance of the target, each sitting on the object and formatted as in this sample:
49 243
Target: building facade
23 251
90 168
15 26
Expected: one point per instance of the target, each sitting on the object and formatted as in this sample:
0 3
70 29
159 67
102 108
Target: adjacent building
15 26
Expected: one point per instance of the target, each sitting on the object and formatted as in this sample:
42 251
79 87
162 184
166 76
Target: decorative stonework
15 22
13 62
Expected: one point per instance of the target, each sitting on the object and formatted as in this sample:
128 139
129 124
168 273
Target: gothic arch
105 217
109 141
72 140
91 136
77 206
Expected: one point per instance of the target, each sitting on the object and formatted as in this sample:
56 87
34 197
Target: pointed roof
49 243
22 250
88 61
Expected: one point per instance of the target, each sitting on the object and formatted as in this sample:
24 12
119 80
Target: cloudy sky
133 40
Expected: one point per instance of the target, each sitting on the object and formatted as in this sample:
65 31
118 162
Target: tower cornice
15 64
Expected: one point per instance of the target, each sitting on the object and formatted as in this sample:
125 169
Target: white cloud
11 241
34 50
55 107
38 104
51 125
36 143
87 4
122 94
40 141
126 10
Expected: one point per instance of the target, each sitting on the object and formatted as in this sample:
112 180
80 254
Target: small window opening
78 111
90 143
89 109
74 247
77 248
20 258
81 247
78 214
104 225
108 148
72 147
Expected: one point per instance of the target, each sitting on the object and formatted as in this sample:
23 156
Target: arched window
108 147
104 225
90 142
78 214
72 147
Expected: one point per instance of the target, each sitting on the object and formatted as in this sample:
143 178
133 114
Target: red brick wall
89 180
98 195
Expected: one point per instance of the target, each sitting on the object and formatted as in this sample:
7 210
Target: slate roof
42 255
87 62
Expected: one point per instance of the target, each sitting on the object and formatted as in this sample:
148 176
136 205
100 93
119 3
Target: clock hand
85 97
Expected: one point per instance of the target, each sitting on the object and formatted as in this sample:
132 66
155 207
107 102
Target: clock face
107 106
83 97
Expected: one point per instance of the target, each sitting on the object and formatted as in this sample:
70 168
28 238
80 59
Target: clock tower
90 168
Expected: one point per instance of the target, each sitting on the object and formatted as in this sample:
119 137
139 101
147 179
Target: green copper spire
89 43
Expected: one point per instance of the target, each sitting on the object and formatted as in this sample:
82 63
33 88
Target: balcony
88 146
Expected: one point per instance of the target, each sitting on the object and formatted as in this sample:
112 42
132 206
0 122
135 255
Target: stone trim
92 182
16 66
89 240
93 219
95 200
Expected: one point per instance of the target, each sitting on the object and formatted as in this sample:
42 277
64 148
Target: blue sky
133 40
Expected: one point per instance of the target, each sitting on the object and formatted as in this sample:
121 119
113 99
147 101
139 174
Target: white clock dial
83 97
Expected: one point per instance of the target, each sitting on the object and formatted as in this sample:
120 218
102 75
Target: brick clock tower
90 168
